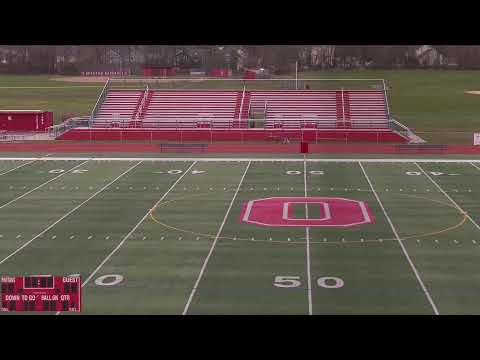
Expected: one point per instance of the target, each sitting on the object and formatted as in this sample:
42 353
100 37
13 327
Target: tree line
279 59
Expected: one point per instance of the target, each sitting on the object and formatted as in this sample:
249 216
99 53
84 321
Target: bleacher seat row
223 108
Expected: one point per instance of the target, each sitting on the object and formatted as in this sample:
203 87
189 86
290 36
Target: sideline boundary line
41 185
68 213
412 265
125 238
204 266
448 197
200 159
15 168
307 235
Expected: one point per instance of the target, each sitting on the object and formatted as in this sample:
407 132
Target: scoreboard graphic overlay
40 293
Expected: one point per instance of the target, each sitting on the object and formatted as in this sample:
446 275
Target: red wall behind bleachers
208 135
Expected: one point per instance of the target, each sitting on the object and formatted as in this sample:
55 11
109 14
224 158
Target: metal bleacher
117 106
187 109
292 108
366 108
287 109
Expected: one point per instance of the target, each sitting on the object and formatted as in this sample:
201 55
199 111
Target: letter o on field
109 280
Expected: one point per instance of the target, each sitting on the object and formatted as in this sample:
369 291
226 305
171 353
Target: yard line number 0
434 173
176 172
106 280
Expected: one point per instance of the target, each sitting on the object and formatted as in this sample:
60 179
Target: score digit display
40 293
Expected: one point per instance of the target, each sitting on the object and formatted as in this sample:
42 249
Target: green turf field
164 236
431 102
41 92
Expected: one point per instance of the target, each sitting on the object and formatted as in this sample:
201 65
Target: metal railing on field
100 99
142 104
239 135
206 83
400 128
76 122
231 123
387 106
241 104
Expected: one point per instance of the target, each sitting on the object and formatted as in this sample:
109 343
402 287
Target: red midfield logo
325 211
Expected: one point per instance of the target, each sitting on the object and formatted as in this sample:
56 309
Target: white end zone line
41 185
412 265
15 168
204 266
307 235
448 197
198 159
125 238
67 214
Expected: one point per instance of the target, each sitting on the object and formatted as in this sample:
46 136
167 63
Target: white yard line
448 197
125 238
204 266
475 166
15 168
67 214
412 265
41 185
307 235
199 159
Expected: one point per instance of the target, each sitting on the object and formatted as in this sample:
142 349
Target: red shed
25 120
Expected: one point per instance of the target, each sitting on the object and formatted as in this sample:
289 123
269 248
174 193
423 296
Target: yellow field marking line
400 243
414 236
465 217
448 197
178 229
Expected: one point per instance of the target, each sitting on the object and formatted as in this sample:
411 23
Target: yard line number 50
311 172
328 282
